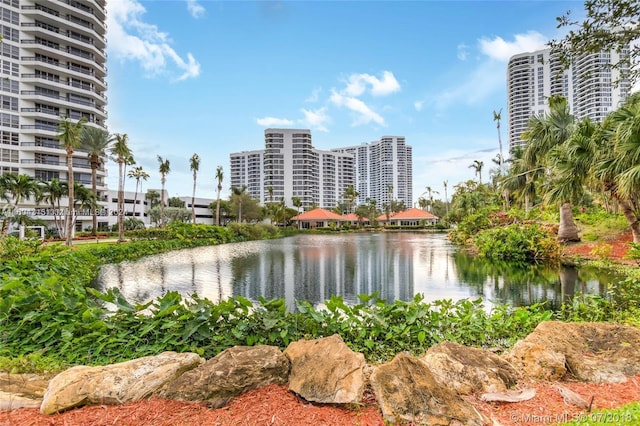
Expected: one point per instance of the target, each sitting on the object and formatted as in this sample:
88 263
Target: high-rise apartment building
383 171
53 67
588 85
290 166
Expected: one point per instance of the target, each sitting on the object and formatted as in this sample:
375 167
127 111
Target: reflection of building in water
315 271
316 267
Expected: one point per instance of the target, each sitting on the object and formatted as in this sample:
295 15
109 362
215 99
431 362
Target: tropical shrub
517 242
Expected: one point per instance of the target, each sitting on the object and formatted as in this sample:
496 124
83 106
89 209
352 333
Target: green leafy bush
517 242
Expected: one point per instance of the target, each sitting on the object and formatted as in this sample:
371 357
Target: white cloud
463 51
316 119
364 114
357 84
488 76
195 9
362 84
315 95
273 121
418 105
130 38
502 50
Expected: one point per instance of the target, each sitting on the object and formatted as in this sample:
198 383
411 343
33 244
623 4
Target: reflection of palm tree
568 280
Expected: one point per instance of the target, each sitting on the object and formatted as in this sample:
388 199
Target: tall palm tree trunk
218 210
567 230
632 219
94 189
70 212
121 201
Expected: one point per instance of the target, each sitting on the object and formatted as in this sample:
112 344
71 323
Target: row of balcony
69 66
49 162
68 82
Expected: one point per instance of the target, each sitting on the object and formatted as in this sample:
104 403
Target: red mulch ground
615 248
275 405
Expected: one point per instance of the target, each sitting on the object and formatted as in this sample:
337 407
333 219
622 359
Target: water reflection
316 267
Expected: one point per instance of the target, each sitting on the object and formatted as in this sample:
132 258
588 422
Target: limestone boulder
593 352
537 361
468 370
228 374
116 383
407 391
326 370
21 391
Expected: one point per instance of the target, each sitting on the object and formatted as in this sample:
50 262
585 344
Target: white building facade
588 85
53 67
290 166
383 171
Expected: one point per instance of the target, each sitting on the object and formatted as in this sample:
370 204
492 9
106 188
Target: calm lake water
315 267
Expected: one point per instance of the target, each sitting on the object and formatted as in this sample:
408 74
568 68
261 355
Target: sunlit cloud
132 39
363 114
502 50
273 121
316 119
357 84
195 9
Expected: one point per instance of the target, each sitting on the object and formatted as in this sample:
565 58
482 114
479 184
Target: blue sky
207 77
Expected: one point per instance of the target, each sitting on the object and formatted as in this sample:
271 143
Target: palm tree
544 132
618 167
122 153
53 191
95 141
138 173
572 163
153 198
17 188
297 203
219 177
519 181
446 198
497 116
350 194
238 193
83 198
430 192
194 165
423 203
164 170
477 165
69 134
